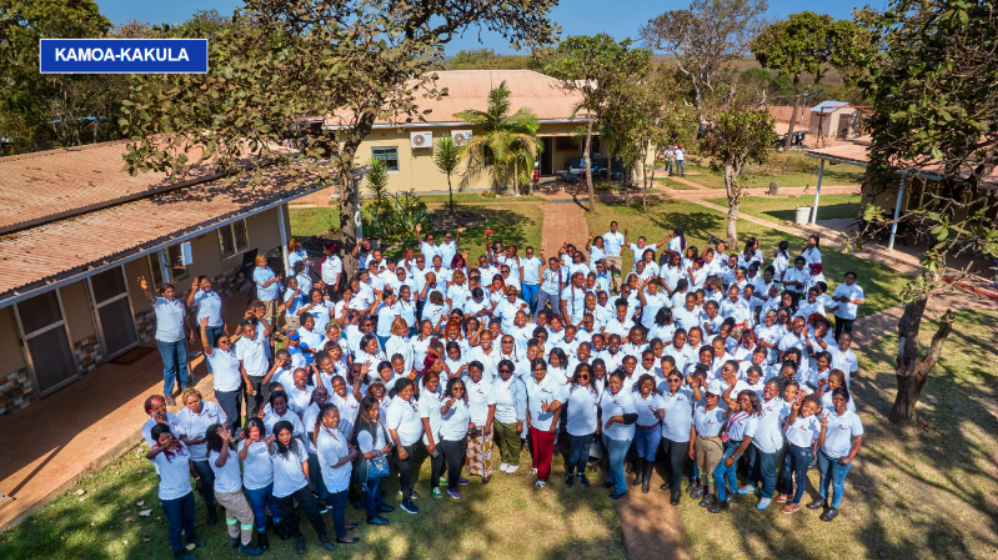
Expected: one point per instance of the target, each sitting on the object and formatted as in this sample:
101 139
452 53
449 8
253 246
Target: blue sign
123 56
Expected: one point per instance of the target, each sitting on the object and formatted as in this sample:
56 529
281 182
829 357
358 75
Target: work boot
639 471
646 482
261 540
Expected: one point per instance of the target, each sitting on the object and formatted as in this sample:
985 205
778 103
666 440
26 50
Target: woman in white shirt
581 423
258 478
672 272
399 343
172 461
429 413
291 485
742 423
482 403
405 428
336 458
812 253
803 428
768 445
677 429
171 326
843 438
455 417
648 429
371 440
228 487
617 417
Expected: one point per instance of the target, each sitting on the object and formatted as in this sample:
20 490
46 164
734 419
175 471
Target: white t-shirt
742 425
840 432
709 423
531 270
769 435
678 415
332 447
582 406
174 473
403 417
195 425
618 405
646 408
258 468
253 356
549 390
804 431
429 408
331 269
454 424
845 309
612 243
289 476
480 396
227 478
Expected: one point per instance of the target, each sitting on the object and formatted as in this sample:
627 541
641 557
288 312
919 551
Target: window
176 259
388 155
232 238
157 271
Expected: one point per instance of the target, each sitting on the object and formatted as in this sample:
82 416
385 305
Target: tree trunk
348 208
516 179
912 372
644 201
450 193
588 160
734 197
793 121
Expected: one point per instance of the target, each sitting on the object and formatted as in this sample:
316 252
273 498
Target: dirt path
884 323
563 222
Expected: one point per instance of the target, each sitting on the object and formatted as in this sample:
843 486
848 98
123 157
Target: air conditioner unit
421 140
461 137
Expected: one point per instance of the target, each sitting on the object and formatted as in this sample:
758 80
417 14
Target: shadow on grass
829 212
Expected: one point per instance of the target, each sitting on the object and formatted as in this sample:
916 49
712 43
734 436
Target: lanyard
733 419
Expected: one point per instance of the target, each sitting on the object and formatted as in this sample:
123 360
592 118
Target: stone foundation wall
145 322
16 392
88 354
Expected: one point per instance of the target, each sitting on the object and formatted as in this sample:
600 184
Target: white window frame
229 231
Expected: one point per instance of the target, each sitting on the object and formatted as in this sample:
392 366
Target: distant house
407 148
76 230
835 119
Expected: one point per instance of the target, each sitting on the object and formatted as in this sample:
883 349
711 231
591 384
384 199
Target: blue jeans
578 455
207 483
180 517
261 499
174 356
646 442
337 501
373 499
763 473
725 476
317 483
232 405
795 465
834 474
530 295
543 298
680 170
616 451
213 333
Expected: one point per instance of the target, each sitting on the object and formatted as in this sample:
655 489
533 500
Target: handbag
377 467
595 449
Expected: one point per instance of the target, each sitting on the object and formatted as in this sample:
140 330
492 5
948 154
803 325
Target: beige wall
11 356
418 172
76 305
134 269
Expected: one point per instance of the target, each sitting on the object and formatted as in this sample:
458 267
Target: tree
738 137
703 39
44 109
594 66
447 156
507 143
933 82
346 64
803 48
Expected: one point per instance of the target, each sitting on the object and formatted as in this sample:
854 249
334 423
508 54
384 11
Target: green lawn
506 519
835 174
674 185
519 224
477 198
930 495
779 210
881 283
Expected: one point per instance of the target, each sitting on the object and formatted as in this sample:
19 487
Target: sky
619 18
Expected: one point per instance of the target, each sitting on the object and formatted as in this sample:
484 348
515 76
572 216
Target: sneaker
569 480
169 401
415 495
512 469
533 471
409 507
442 481
436 493
503 467
463 481
584 481
323 508
763 503
540 484
747 489
455 493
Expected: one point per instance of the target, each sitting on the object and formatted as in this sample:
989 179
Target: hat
714 387
377 381
293 335
816 268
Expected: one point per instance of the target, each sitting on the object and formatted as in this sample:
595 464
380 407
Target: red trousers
543 444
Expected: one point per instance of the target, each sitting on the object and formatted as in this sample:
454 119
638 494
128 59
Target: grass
519 224
834 174
477 198
506 519
674 185
930 495
882 284
780 210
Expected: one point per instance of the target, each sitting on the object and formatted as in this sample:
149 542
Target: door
115 323
46 339
547 156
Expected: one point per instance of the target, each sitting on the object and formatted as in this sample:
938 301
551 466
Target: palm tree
447 156
507 142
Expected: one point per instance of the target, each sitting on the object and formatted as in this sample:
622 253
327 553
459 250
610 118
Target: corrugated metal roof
36 256
469 89
857 152
828 106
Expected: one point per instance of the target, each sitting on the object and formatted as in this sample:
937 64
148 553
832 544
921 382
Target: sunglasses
505 370
675 380
581 377
540 369
507 342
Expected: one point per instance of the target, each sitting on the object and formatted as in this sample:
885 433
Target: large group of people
715 365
